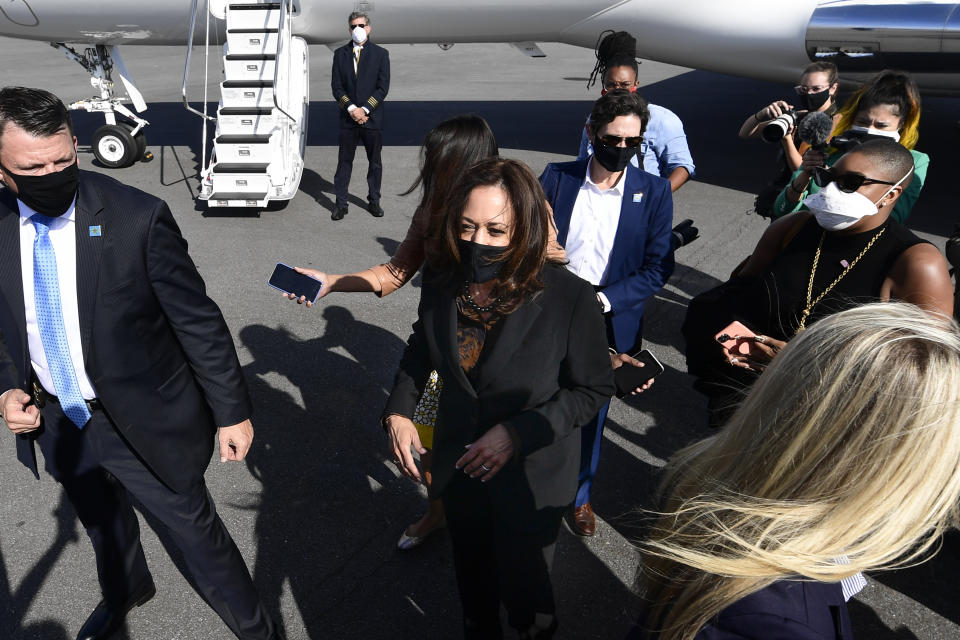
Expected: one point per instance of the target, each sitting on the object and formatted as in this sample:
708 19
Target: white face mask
893 135
359 35
836 210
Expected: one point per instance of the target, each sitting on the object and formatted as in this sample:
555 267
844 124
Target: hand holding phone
289 280
731 338
628 377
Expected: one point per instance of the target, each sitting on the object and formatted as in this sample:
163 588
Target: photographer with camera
888 106
778 122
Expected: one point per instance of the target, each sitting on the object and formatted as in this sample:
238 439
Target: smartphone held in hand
628 377
287 279
728 339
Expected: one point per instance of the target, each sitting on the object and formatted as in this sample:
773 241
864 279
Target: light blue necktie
53 335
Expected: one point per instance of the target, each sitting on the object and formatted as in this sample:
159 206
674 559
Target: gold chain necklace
813 272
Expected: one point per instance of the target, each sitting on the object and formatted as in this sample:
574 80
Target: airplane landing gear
115 144
115 147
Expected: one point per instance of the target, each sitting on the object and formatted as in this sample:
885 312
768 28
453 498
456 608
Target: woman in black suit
519 342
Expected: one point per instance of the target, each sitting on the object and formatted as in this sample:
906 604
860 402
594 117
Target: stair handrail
276 66
186 73
186 66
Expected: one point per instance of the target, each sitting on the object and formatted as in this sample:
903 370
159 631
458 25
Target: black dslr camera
850 139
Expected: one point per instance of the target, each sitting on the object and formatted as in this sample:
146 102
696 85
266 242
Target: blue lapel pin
95 231
637 197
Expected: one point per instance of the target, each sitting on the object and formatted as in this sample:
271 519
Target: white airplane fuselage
751 38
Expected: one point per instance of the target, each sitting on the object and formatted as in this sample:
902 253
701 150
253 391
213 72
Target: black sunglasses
354 26
846 182
613 141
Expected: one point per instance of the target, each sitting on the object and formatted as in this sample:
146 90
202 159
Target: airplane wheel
141 142
114 147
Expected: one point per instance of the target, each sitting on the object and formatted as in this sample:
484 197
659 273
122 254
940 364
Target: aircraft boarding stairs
261 121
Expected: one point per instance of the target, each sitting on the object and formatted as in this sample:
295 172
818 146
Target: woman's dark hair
614 49
822 66
892 88
448 150
889 87
618 102
527 252
38 112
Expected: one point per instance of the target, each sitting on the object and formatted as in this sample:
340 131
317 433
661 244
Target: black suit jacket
155 346
783 610
367 87
547 373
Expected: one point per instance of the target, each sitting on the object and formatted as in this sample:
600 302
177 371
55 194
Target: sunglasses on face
610 86
361 25
846 182
802 88
614 141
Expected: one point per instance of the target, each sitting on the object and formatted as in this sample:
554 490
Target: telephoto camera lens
778 127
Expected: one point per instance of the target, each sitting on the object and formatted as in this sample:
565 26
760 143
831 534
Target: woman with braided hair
664 148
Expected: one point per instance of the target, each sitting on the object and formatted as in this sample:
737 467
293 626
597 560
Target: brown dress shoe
581 520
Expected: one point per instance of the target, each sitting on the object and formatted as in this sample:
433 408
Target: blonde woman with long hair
844 458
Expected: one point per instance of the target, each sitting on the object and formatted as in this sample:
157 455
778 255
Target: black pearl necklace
473 303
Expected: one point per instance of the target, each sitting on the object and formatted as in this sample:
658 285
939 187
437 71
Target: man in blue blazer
360 80
614 221
117 365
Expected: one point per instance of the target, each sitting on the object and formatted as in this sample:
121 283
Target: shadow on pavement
17 602
712 107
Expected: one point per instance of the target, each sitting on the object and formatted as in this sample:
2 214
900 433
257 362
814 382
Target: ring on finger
760 339
484 467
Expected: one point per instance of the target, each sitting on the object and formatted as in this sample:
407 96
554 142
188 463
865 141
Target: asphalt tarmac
317 506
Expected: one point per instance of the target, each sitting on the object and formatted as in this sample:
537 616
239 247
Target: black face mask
813 101
612 158
50 194
480 261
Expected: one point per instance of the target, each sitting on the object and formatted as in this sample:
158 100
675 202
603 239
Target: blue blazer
367 87
785 610
642 256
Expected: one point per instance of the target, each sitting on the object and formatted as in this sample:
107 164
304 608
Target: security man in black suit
115 362
360 80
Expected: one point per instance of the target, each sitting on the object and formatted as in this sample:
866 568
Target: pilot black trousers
97 469
373 143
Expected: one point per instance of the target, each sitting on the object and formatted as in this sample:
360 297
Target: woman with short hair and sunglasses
888 106
844 249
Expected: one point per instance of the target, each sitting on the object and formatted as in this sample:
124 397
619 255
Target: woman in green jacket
888 105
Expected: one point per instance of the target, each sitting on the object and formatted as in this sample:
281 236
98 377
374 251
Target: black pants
97 468
373 142
500 559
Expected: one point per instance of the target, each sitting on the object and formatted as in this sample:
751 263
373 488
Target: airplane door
19 12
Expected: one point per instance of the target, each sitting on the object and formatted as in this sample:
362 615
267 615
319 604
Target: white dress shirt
63 238
593 227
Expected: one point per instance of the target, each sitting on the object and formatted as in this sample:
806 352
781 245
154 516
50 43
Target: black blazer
785 610
156 348
367 87
547 373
